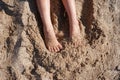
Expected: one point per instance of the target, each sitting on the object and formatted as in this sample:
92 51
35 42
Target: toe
52 49
58 49
60 46
55 49
49 48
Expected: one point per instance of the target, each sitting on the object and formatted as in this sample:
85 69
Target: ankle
74 22
48 28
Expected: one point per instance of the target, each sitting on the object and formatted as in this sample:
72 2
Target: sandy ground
23 55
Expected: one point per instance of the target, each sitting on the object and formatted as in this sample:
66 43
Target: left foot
75 33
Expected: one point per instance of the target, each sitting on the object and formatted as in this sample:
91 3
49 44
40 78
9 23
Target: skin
50 39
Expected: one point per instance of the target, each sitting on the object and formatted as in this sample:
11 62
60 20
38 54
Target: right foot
51 41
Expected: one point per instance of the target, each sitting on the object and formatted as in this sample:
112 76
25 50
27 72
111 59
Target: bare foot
75 34
51 41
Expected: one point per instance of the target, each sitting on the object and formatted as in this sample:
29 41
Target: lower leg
44 10
73 22
71 10
50 39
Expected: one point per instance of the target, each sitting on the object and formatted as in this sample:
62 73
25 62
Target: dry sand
23 55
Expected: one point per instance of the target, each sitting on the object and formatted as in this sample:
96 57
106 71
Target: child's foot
51 41
75 33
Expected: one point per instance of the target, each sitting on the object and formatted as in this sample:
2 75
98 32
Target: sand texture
23 55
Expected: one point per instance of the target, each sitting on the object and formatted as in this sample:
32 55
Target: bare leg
73 22
50 39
